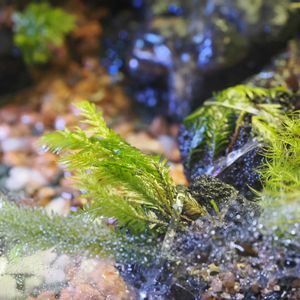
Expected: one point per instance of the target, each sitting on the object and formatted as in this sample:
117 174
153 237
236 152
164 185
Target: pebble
32 282
48 295
216 285
177 173
52 276
44 195
229 281
158 126
3 264
96 279
225 296
21 177
15 144
4 131
10 291
34 264
145 143
170 147
3 170
16 158
58 206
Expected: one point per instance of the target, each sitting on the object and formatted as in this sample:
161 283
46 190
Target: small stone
124 128
47 164
10 291
81 292
276 288
99 278
255 288
32 282
213 269
62 262
4 131
44 195
216 285
15 158
3 170
3 264
208 296
229 281
225 296
237 287
15 144
52 276
20 177
296 283
58 206
177 173
144 142
35 264
158 126
48 295
170 147
239 296
248 250
178 292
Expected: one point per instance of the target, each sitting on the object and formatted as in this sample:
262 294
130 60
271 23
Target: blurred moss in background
39 28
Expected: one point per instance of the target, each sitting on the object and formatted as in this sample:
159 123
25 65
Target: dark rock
237 164
178 292
211 192
186 50
275 296
207 188
13 72
290 263
288 282
247 249
242 173
228 281
4 170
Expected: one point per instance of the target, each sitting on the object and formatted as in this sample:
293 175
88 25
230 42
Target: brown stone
228 281
97 278
44 195
177 173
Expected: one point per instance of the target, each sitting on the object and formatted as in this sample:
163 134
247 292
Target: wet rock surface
235 169
46 275
233 260
222 199
184 51
13 72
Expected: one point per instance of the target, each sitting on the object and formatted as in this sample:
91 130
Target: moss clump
38 28
120 181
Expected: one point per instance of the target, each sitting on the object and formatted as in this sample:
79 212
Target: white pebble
20 177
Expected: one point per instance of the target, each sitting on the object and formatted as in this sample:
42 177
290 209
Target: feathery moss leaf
25 230
218 121
121 181
281 173
39 231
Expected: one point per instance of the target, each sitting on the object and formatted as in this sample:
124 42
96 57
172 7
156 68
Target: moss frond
37 28
120 180
220 118
281 172
39 231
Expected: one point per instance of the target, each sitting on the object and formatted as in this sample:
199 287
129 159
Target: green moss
217 123
121 181
281 173
38 28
